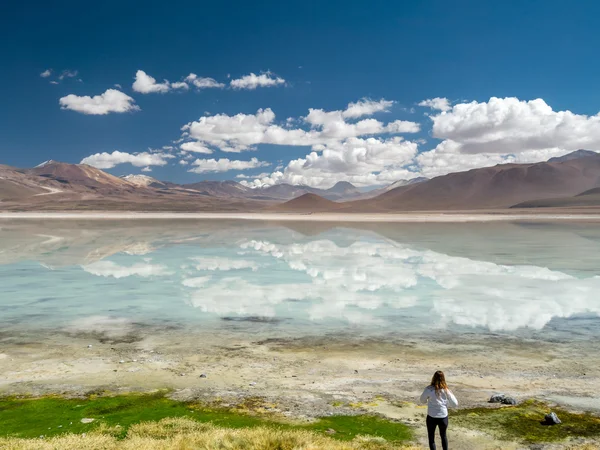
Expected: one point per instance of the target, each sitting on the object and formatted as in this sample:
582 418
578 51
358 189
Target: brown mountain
15 185
589 198
501 186
226 188
307 203
86 188
80 177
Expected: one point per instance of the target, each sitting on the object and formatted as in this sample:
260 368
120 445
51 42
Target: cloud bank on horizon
354 144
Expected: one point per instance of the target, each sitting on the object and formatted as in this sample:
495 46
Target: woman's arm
425 395
451 398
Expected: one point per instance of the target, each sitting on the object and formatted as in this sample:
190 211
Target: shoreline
434 217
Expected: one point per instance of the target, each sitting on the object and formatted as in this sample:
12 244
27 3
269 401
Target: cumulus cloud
46 73
253 81
107 160
437 103
505 130
108 102
243 176
510 125
196 147
145 84
224 165
203 82
180 85
147 169
342 148
363 162
244 131
366 107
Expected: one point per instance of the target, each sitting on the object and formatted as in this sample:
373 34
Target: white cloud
253 81
437 103
147 169
114 270
68 74
145 84
109 160
180 85
363 162
505 130
53 82
110 101
402 126
366 107
196 147
224 165
46 73
183 162
246 177
203 82
244 131
510 125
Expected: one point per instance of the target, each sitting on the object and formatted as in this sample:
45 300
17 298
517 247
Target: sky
310 92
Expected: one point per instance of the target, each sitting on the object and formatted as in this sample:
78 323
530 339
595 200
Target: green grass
523 422
33 417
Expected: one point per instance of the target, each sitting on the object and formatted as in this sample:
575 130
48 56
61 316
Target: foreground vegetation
155 421
525 423
182 433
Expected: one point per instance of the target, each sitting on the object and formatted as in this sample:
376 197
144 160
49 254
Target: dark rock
497 398
551 419
509 401
502 398
202 375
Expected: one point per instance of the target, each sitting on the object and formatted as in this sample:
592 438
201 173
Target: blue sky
537 58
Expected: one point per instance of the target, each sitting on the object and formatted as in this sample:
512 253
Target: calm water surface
534 280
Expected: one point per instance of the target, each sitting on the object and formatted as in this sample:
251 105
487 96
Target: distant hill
83 187
589 198
574 155
394 185
570 180
81 177
501 186
307 203
342 190
220 188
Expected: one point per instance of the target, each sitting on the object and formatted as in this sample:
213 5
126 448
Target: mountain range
571 180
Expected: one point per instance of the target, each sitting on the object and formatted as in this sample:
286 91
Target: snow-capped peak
141 180
45 163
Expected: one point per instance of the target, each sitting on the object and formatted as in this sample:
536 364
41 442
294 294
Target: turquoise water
526 279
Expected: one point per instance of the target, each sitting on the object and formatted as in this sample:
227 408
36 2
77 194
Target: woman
438 396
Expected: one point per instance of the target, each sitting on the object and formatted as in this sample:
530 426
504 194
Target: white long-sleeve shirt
437 404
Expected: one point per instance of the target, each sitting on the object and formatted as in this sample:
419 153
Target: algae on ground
524 422
53 415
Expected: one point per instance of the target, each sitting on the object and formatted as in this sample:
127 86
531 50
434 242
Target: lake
528 280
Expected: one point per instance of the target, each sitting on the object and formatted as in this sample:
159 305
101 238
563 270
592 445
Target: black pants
432 423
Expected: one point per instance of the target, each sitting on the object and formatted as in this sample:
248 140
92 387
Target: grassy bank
524 422
125 420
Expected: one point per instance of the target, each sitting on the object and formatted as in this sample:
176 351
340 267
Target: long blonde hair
439 382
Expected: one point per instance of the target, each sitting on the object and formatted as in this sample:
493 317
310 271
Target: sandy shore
449 216
305 377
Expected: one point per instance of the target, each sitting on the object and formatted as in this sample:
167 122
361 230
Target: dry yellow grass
185 434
